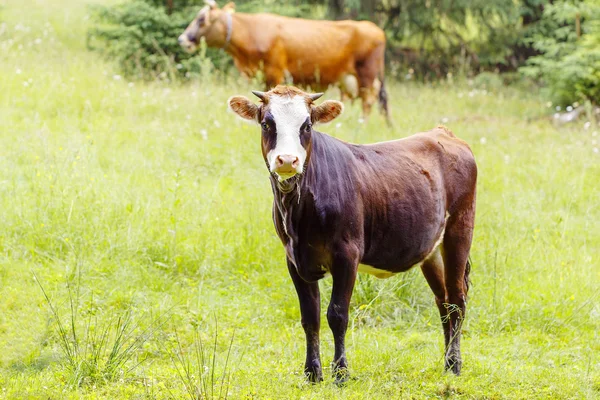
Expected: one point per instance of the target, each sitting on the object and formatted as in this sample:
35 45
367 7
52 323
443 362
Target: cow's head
209 24
286 116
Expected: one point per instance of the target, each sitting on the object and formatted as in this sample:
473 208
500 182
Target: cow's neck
322 180
239 38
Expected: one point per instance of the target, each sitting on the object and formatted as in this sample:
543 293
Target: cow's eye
265 126
308 127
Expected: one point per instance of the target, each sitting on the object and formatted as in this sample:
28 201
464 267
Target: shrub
569 64
97 351
142 37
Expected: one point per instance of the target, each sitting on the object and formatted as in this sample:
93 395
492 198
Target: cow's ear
229 7
326 111
243 107
212 4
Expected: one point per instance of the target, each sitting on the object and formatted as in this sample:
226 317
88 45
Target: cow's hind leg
456 247
433 269
310 310
370 79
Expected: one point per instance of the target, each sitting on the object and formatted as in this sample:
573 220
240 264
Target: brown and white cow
382 208
315 53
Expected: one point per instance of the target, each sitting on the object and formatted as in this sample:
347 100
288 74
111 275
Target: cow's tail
467 281
383 99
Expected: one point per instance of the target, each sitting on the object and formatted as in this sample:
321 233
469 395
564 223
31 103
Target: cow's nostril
279 161
295 162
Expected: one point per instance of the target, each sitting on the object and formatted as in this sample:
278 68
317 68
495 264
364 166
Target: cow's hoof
453 365
314 374
341 376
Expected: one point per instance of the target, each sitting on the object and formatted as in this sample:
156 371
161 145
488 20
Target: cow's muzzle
188 44
286 165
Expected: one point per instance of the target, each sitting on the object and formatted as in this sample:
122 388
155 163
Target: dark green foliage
442 35
142 37
312 9
568 65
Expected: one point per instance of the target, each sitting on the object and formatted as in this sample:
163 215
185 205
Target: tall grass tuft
197 367
102 351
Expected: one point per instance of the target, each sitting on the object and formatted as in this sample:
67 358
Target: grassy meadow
138 257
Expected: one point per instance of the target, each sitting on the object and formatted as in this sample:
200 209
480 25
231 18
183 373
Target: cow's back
312 50
438 155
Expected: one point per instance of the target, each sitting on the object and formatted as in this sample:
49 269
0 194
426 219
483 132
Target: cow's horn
211 3
260 95
315 96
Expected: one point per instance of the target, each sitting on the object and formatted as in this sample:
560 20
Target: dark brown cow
310 52
382 208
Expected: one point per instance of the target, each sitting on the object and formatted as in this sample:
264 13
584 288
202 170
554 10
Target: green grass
141 202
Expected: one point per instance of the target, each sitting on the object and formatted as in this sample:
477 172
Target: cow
382 208
313 53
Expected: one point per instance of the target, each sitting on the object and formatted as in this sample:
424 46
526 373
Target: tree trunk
367 9
335 9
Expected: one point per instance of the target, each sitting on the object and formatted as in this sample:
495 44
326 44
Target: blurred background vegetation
554 43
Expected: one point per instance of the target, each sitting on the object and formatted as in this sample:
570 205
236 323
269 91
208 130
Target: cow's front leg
310 309
343 272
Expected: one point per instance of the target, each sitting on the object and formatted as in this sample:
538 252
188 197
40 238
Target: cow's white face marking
289 114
